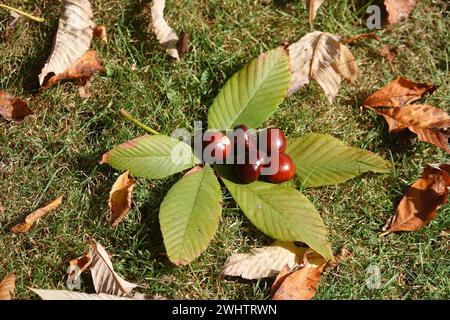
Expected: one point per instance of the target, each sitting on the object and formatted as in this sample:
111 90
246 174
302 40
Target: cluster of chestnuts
252 155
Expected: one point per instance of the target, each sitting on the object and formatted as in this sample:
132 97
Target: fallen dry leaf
399 10
313 6
13 108
299 284
167 38
76 267
73 38
104 277
263 262
120 198
346 64
421 201
82 69
389 53
72 295
100 32
36 215
397 93
430 124
320 56
7 287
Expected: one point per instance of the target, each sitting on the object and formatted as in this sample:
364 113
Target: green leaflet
324 160
253 93
282 213
151 156
189 215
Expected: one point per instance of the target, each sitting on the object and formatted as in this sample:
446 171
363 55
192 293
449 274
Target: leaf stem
37 19
132 119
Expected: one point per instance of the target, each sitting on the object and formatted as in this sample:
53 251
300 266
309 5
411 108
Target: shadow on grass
33 64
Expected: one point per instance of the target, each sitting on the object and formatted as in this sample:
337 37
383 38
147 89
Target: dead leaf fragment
36 215
300 284
82 69
389 53
167 38
421 201
399 10
320 56
105 279
73 37
120 198
76 267
100 32
313 6
13 108
398 93
183 43
7 287
263 262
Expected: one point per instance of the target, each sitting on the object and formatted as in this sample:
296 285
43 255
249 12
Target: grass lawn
57 150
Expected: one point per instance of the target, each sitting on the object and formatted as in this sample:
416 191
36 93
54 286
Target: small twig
37 19
132 119
371 35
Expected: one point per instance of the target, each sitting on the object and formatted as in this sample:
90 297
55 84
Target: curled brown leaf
120 198
421 201
397 93
300 283
82 70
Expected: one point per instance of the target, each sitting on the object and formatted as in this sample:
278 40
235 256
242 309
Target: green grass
57 150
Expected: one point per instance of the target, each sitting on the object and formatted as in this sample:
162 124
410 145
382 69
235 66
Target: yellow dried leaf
120 198
36 215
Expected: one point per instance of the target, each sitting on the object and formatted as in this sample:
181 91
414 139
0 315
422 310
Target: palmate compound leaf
153 157
324 160
189 215
253 93
282 213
